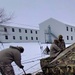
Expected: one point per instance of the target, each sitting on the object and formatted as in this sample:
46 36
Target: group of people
13 53
57 47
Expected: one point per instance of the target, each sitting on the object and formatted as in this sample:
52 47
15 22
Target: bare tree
3 19
3 16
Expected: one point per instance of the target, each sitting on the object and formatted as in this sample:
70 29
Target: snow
30 58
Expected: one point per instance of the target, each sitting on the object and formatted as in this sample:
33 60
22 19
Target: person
73 70
61 43
69 70
54 49
7 56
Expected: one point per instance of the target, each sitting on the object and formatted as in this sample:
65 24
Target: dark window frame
31 31
20 37
6 37
31 38
20 30
36 32
71 29
25 30
71 37
5 29
14 37
13 30
26 38
67 37
36 38
67 28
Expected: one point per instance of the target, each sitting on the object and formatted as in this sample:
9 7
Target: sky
33 12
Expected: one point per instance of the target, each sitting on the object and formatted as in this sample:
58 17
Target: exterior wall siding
47 32
57 28
19 36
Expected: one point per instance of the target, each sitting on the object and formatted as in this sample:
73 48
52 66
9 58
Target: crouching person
7 56
54 49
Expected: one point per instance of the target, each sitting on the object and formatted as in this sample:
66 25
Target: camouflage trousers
6 69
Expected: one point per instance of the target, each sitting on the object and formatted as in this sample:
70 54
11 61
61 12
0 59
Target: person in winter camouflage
54 49
61 43
7 56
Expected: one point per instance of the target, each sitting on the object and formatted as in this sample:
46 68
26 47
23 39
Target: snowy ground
30 57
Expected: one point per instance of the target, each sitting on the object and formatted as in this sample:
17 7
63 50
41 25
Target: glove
22 66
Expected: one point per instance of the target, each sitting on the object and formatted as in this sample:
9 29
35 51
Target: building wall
47 32
57 28
16 34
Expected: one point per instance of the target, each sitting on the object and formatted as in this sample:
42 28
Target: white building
47 32
16 34
51 29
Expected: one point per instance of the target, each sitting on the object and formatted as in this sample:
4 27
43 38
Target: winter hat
60 36
20 48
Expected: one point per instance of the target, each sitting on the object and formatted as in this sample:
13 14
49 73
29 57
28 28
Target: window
13 30
26 38
5 29
25 31
36 32
31 31
74 29
67 28
19 30
36 38
20 37
67 37
31 38
71 37
6 37
71 29
14 37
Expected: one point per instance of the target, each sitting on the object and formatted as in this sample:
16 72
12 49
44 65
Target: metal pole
24 71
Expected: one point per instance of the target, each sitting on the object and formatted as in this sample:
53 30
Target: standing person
61 42
7 56
54 49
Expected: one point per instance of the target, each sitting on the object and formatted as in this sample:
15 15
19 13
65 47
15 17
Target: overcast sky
33 12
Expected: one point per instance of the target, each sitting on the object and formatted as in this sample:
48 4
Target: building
47 32
17 34
52 28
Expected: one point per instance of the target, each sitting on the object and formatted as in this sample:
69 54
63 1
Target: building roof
21 26
55 20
